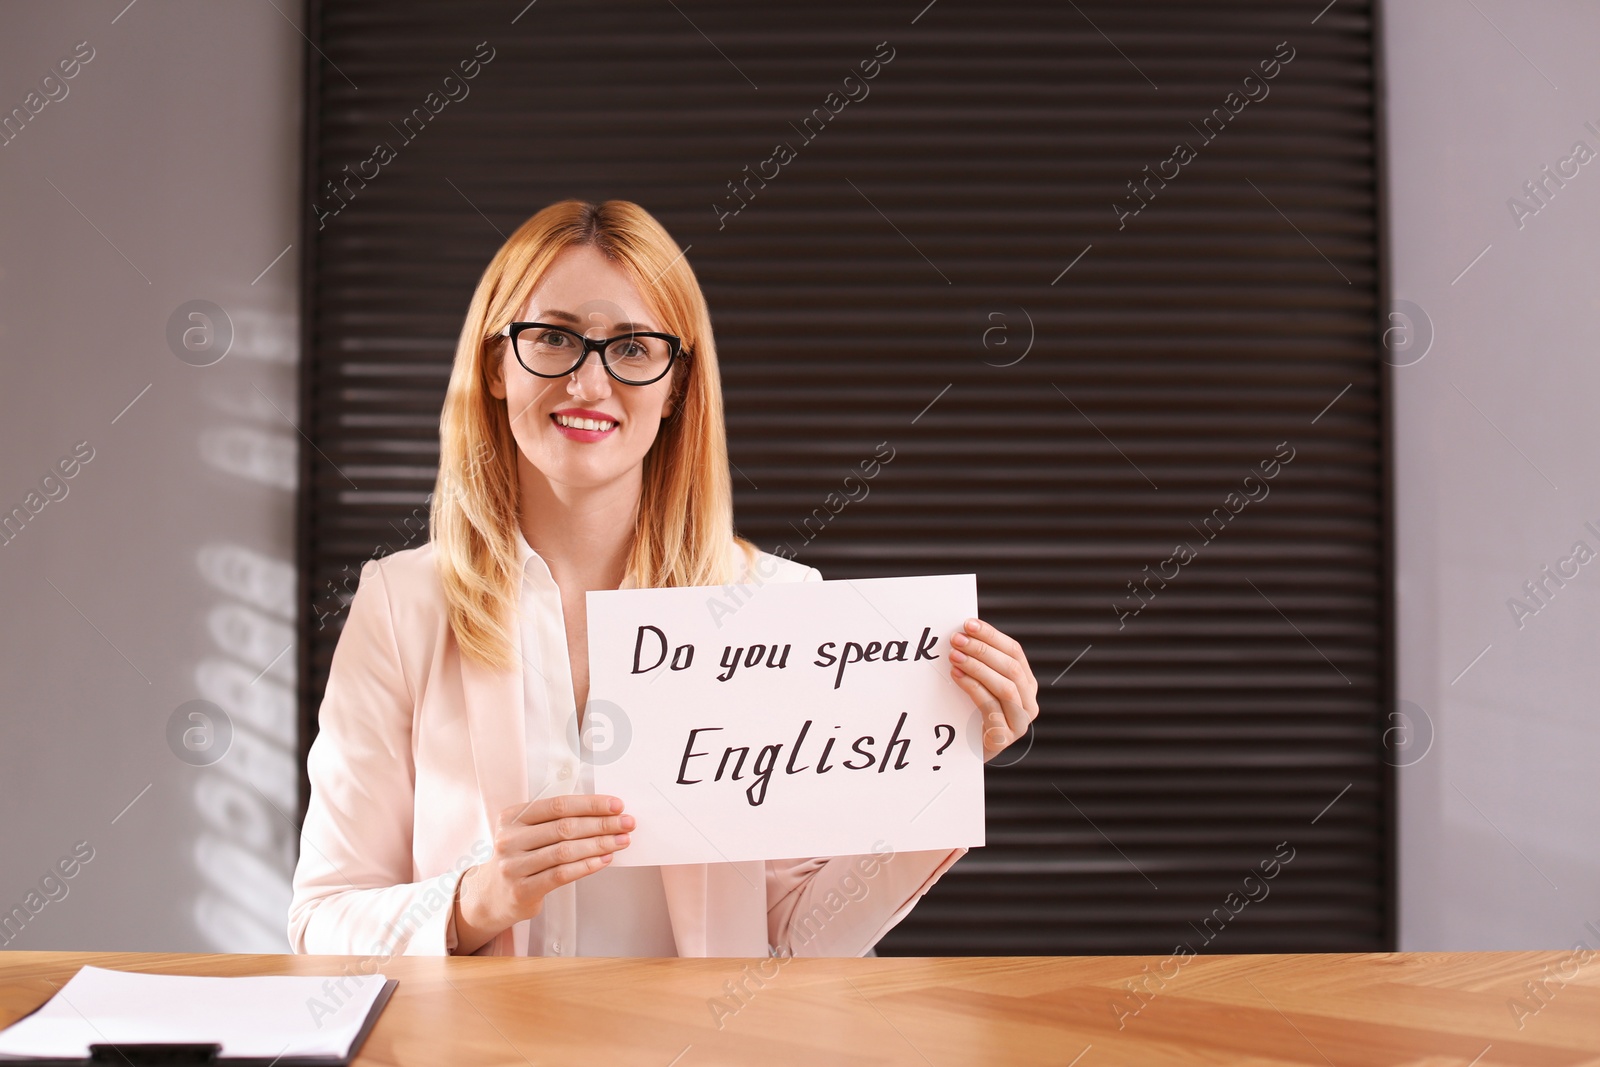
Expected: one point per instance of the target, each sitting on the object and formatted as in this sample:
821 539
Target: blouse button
565 772
555 946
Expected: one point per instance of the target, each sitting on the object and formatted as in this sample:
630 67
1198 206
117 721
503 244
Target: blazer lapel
497 732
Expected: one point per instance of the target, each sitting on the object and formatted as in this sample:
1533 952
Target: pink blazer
419 749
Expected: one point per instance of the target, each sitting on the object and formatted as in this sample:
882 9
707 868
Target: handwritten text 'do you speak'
651 641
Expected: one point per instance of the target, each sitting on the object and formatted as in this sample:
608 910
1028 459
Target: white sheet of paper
268 1016
812 779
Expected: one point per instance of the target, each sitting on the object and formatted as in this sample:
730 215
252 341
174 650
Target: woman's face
585 292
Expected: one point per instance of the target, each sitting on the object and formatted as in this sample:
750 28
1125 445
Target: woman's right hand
538 847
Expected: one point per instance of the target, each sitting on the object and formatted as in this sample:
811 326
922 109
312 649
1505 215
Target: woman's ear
494 369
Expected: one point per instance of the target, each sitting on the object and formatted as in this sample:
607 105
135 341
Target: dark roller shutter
940 271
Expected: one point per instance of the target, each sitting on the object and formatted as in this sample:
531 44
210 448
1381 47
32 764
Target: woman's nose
590 380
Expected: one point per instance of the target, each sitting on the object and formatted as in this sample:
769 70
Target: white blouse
617 911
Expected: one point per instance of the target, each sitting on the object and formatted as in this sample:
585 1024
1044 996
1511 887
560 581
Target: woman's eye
554 337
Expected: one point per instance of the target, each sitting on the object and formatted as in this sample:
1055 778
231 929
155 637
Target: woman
449 812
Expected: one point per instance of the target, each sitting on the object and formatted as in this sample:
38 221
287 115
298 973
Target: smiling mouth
572 422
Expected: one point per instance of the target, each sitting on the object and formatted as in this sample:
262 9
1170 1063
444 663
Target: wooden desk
1339 1010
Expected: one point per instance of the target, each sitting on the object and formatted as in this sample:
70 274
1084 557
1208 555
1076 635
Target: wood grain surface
1472 1008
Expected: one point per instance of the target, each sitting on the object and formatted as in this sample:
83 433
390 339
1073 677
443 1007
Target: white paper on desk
658 735
278 1015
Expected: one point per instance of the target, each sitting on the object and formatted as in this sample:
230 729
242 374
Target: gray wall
168 172
1496 476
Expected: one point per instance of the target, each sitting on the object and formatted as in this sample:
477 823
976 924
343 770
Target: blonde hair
685 533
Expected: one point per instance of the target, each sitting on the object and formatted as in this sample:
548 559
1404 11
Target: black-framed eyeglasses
555 352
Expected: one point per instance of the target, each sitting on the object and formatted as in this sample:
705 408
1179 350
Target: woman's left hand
994 671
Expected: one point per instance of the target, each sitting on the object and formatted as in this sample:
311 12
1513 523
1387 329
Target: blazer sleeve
843 905
354 887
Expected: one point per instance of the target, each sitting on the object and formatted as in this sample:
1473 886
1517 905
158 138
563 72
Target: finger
1001 689
547 881
1006 664
997 733
521 838
1027 684
558 807
565 853
989 654
984 631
